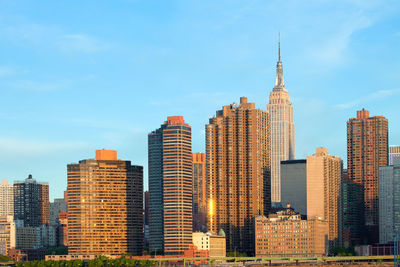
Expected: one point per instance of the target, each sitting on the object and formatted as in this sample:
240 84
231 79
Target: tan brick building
285 234
105 206
238 153
323 191
367 150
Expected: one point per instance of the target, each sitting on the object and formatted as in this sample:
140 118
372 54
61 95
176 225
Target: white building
215 244
389 202
394 152
6 199
282 130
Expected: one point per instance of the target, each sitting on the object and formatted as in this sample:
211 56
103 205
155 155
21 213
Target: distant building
238 171
170 187
6 199
62 230
294 184
105 206
280 110
215 244
285 234
389 202
394 152
199 192
7 234
25 237
45 236
367 150
31 202
55 208
324 175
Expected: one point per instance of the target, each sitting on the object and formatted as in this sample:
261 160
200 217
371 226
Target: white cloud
35 86
381 94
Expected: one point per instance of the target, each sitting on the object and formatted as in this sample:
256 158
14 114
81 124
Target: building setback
367 150
389 202
394 152
238 172
285 234
199 192
294 184
31 202
105 206
282 130
6 199
170 187
324 174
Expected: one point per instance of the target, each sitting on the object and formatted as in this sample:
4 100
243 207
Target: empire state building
282 129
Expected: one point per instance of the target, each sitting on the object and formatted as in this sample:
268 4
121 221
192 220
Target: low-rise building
25 237
7 234
285 234
215 244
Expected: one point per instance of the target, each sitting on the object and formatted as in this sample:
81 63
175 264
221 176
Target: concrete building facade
199 192
282 130
7 234
215 244
56 207
367 150
324 174
105 206
389 202
170 187
285 234
238 172
6 199
294 184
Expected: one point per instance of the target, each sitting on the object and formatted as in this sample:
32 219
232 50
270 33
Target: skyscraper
238 172
394 152
170 187
6 199
323 191
389 202
31 202
294 184
367 150
199 192
105 206
282 129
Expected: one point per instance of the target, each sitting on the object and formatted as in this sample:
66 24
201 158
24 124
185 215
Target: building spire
279 47
279 83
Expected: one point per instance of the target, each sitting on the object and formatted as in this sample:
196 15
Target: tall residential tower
367 150
170 187
105 206
238 172
282 129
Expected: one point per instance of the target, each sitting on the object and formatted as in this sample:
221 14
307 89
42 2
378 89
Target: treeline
101 261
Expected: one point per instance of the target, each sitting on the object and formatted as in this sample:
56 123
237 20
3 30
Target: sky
76 76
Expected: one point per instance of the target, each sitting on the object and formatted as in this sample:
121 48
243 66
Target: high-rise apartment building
105 206
324 174
199 192
282 130
6 199
31 202
56 207
394 152
294 184
7 234
170 187
367 150
238 172
389 202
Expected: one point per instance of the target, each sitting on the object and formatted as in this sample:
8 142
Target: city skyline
69 87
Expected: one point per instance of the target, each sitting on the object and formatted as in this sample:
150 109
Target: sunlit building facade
238 172
199 192
6 199
367 150
170 187
282 130
105 206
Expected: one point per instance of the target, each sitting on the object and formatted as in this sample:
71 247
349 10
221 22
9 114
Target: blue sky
76 76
